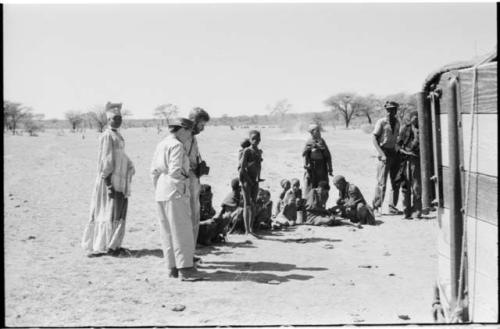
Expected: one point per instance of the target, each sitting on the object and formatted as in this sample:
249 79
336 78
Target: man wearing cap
170 175
385 136
106 228
197 167
317 159
351 204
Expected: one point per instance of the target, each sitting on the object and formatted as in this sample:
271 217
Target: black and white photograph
218 164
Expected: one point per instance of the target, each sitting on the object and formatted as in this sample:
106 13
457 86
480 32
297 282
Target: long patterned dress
106 227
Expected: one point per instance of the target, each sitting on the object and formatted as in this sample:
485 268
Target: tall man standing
197 167
384 139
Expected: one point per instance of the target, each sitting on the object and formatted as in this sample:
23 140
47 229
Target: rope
459 306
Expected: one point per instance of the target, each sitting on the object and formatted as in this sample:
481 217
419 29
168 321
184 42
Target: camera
202 169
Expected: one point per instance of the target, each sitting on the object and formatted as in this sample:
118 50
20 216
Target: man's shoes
417 215
190 274
394 211
173 272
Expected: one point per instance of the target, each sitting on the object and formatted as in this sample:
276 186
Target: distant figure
249 173
197 167
108 208
385 136
317 159
351 204
410 168
170 174
316 211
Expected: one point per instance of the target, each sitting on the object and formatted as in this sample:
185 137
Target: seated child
208 231
285 184
299 201
264 210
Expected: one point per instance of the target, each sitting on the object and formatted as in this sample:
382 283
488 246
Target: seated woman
351 204
316 212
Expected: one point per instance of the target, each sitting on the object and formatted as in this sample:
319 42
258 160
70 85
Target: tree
279 110
164 112
98 116
33 123
75 119
346 104
368 107
13 114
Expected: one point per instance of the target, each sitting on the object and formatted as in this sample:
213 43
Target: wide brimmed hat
312 126
389 105
113 109
180 122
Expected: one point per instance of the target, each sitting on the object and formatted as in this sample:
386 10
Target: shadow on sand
249 271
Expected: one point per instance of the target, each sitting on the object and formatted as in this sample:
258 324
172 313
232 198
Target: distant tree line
345 107
17 116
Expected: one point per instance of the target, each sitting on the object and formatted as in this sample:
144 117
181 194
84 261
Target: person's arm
328 158
243 165
158 164
108 162
377 131
354 197
174 159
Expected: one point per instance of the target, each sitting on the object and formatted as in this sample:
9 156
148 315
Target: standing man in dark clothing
317 159
410 168
385 141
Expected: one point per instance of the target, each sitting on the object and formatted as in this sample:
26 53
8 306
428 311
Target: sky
235 59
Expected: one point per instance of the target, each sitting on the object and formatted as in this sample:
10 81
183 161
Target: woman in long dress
105 230
170 174
317 159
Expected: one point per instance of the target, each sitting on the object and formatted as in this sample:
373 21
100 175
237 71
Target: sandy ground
307 275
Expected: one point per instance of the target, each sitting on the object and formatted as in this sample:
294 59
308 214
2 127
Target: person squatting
185 210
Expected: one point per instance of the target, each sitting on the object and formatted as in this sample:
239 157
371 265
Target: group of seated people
291 209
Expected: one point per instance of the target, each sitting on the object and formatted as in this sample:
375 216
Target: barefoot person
170 174
106 228
197 167
317 159
249 173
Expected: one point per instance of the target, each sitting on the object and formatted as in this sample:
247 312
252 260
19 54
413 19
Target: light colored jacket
169 170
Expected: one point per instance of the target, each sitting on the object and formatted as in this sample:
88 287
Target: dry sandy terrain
308 275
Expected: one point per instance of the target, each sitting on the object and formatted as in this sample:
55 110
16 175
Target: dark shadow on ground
257 266
378 222
138 253
265 278
305 240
